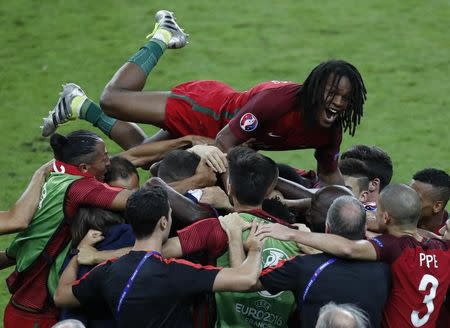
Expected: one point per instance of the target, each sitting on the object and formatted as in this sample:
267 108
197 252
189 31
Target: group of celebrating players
268 245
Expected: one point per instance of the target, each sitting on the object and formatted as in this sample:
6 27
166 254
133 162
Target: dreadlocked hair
311 93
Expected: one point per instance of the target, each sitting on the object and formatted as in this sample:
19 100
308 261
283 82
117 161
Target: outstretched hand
213 157
206 175
254 240
87 251
233 221
216 197
275 230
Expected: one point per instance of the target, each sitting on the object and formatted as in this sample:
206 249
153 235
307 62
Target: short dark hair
439 180
346 217
311 93
119 168
355 168
144 209
177 165
276 208
402 203
75 148
251 175
89 217
321 202
378 162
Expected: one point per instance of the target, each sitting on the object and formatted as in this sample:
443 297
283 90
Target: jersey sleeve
90 192
327 157
285 276
205 235
189 278
264 107
387 248
93 192
87 290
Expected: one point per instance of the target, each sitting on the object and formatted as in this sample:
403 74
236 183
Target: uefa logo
248 122
271 257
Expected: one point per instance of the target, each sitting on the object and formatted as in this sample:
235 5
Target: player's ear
438 206
163 223
83 167
387 218
374 185
363 196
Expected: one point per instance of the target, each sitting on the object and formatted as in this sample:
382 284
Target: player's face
99 165
353 184
424 190
380 215
336 100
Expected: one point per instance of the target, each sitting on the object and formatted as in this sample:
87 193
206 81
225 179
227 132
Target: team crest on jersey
248 122
271 257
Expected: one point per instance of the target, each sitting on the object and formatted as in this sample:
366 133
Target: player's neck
400 231
432 223
373 196
154 243
245 208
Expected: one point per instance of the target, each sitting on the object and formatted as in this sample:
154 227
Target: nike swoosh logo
271 134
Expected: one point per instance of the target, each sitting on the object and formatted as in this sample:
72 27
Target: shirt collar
61 167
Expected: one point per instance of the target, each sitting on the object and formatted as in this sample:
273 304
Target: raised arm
149 153
226 140
330 178
245 276
233 225
64 296
293 190
19 216
329 243
183 208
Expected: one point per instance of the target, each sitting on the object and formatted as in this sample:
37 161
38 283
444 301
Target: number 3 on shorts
427 279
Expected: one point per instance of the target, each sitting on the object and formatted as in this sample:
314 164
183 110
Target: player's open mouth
331 113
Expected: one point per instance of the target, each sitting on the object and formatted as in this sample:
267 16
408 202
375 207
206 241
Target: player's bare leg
73 103
123 97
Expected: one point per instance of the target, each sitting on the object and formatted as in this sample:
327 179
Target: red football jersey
420 279
268 113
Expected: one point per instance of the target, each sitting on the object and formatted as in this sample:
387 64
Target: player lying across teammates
86 194
275 115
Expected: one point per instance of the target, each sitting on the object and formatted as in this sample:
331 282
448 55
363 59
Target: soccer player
433 187
142 288
420 267
80 164
276 115
379 168
252 176
356 178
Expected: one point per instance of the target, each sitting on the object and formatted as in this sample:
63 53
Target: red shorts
15 317
197 108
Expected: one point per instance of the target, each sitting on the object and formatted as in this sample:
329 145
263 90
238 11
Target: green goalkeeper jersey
260 309
29 244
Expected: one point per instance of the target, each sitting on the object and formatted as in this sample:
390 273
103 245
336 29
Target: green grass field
402 49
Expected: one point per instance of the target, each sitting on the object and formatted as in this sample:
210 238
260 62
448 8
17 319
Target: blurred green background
401 48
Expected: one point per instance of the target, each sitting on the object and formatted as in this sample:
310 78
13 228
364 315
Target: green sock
91 112
147 57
